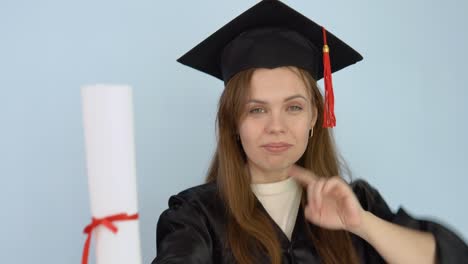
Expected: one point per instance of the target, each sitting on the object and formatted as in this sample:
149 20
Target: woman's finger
334 187
310 196
303 176
318 193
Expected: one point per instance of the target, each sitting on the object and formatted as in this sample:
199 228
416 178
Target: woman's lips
276 147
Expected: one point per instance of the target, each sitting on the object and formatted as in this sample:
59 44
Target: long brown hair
249 229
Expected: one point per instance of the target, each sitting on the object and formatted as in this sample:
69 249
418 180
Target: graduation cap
268 35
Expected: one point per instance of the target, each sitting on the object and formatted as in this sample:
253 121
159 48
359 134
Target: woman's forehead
276 84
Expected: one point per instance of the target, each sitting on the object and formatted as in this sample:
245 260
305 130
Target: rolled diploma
110 159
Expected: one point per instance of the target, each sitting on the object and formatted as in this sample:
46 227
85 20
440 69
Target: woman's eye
257 110
295 108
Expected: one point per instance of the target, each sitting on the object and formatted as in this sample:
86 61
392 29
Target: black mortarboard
268 35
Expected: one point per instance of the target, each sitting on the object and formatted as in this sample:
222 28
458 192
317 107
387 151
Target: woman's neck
259 175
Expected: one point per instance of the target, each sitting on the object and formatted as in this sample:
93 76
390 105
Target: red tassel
329 119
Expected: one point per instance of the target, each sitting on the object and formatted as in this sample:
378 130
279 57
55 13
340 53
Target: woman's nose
276 123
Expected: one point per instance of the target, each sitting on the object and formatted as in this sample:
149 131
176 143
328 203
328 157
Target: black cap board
270 34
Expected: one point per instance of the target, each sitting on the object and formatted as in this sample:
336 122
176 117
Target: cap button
325 48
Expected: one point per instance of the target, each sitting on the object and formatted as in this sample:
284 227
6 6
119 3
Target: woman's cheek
249 132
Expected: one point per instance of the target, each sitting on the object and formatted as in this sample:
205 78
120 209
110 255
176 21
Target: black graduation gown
192 230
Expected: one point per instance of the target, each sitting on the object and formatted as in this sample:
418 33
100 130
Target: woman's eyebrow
285 100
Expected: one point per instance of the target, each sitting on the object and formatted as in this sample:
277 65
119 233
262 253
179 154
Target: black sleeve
450 248
182 235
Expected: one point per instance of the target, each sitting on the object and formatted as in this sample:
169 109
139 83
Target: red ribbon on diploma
107 222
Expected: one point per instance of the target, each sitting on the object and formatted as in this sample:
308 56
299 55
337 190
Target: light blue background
401 113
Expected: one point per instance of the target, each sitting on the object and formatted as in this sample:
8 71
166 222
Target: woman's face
278 115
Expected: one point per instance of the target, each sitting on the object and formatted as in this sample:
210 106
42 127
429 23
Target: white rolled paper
110 159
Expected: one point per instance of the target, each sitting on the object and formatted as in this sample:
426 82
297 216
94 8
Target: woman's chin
270 164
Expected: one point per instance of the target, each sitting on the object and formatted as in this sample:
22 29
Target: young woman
273 193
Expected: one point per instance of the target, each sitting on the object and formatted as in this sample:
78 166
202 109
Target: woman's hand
331 203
